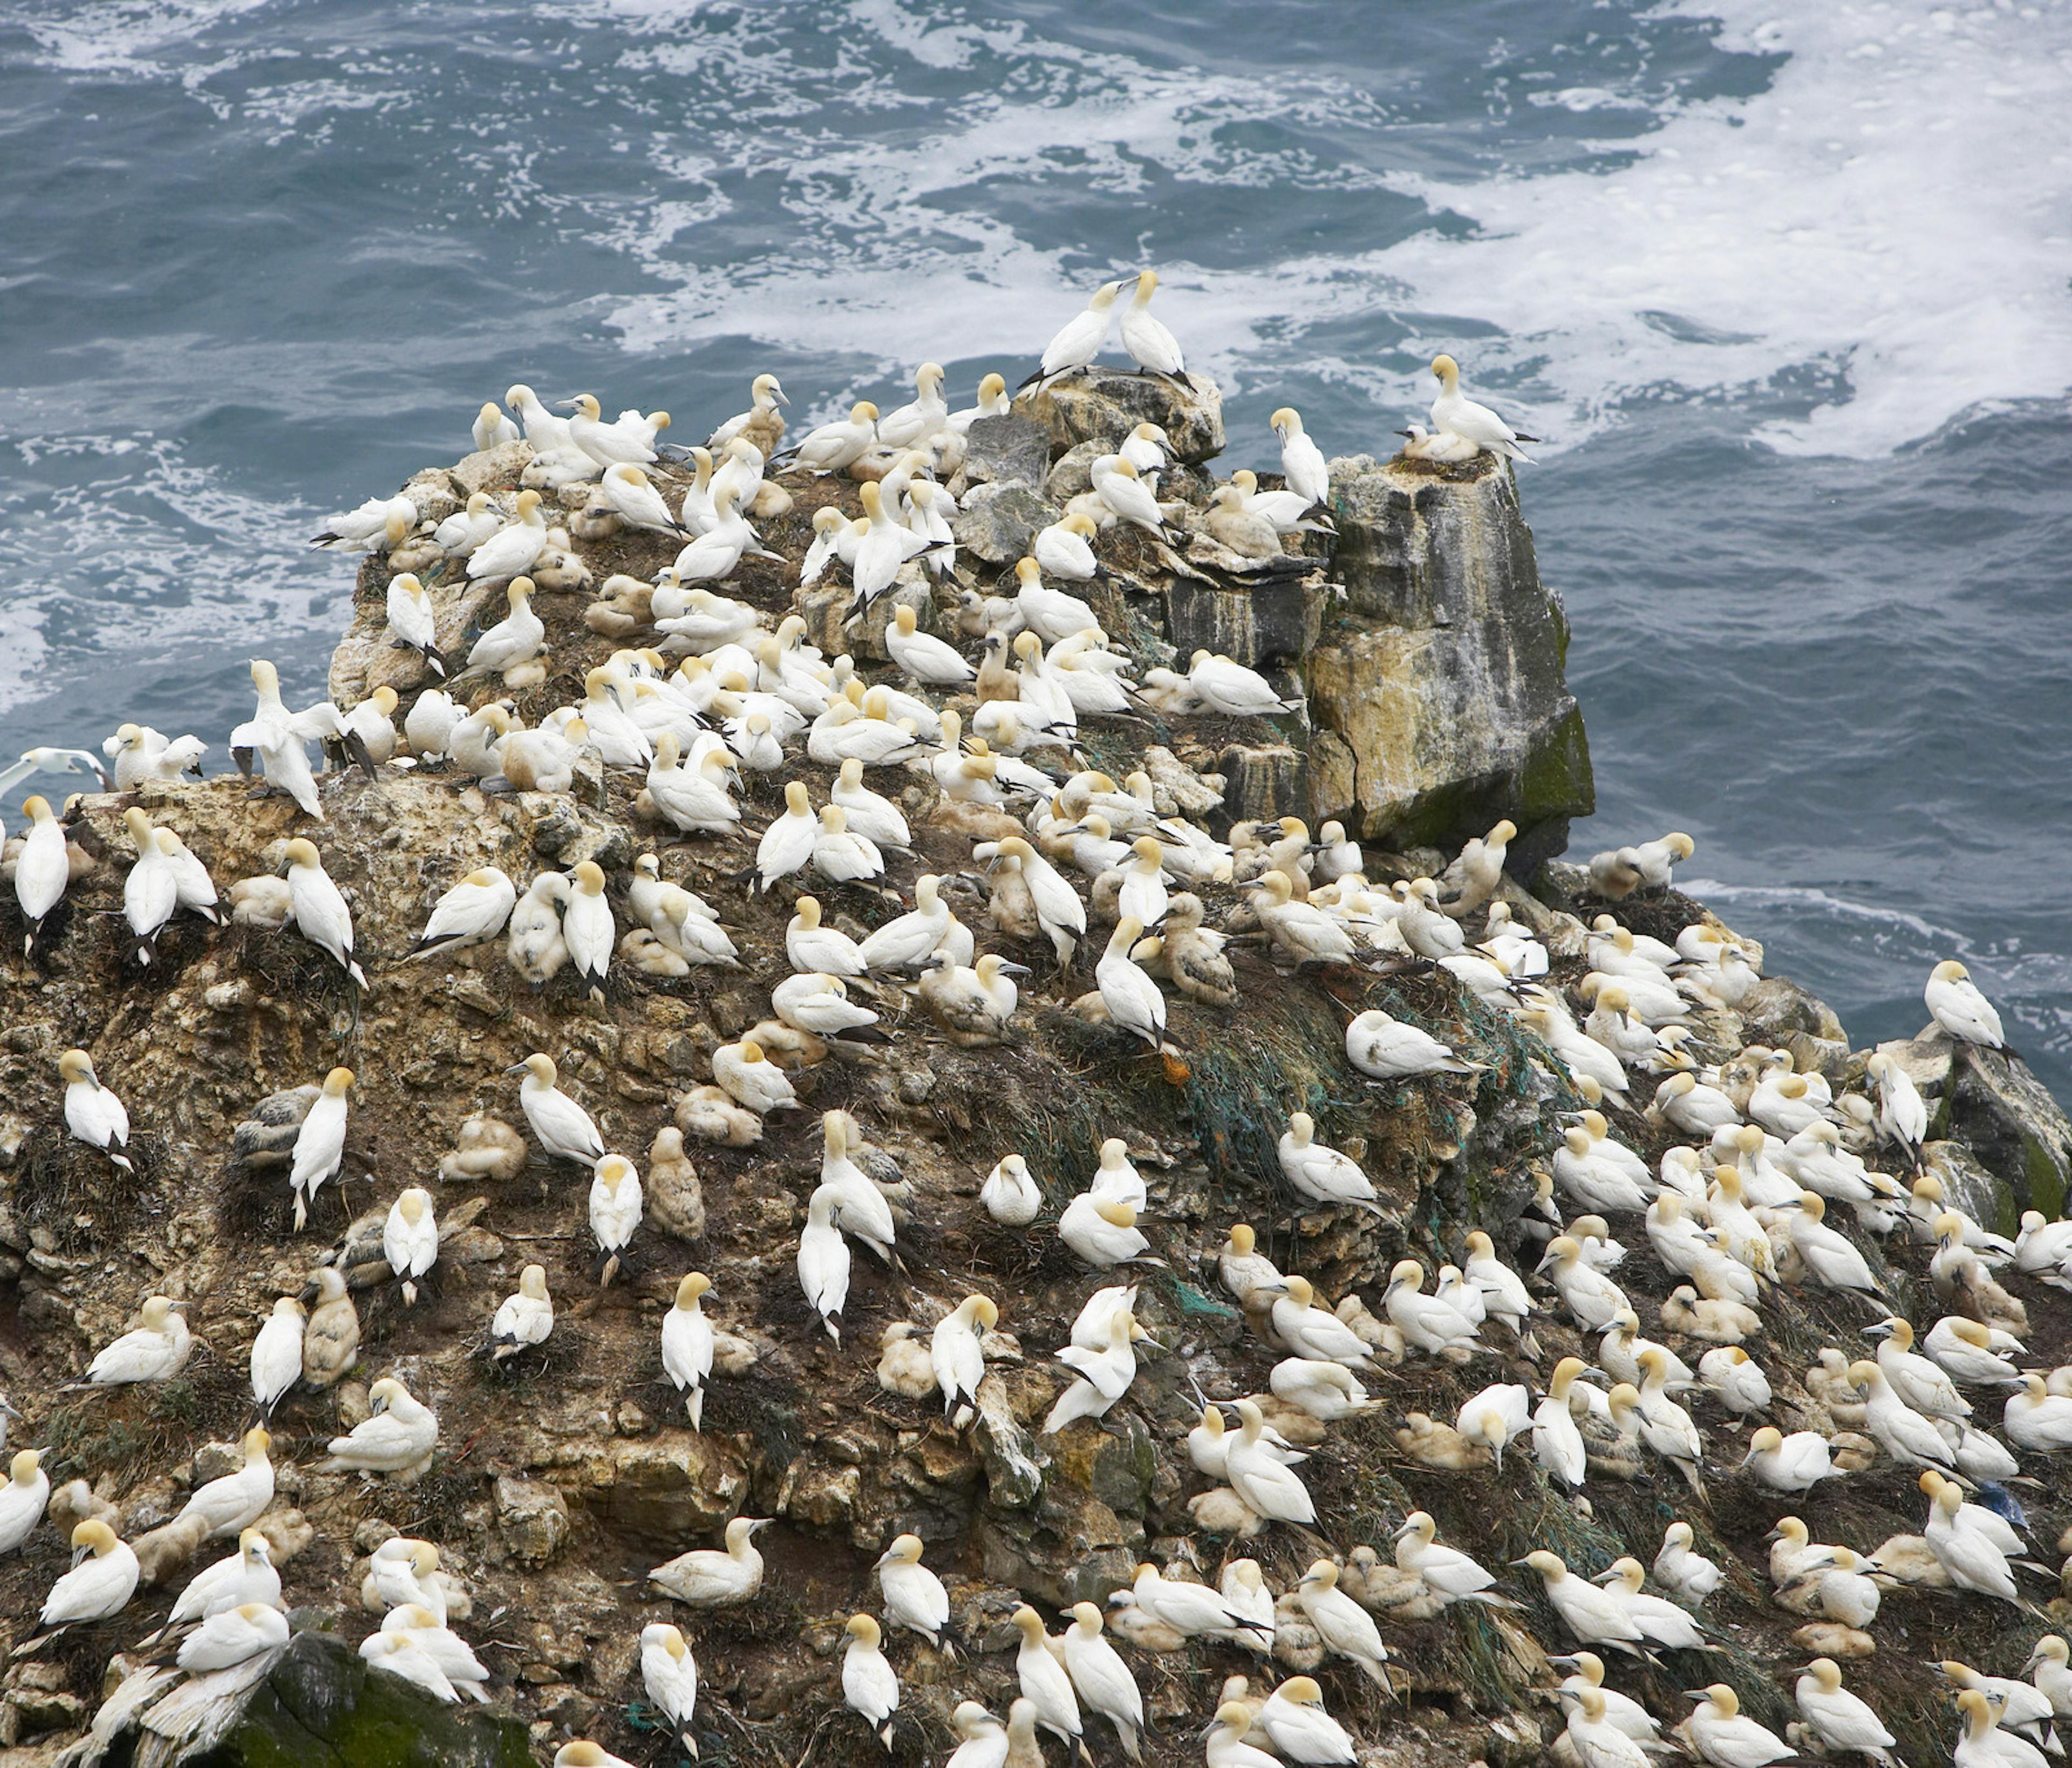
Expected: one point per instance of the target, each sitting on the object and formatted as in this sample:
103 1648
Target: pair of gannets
1080 340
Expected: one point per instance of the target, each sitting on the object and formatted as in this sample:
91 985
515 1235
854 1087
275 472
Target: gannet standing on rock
93 1114
43 868
100 1583
1151 347
410 1239
1301 460
279 737
1079 340
321 914
1453 412
23 1498
870 1687
669 1674
915 1598
319 1149
564 1129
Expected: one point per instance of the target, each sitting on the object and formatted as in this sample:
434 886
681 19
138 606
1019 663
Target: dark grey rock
1276 621
998 522
1006 451
2006 1117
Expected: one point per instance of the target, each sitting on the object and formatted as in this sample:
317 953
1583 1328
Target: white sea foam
1893 209
127 37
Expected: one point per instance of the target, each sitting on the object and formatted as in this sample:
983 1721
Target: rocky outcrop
1438 688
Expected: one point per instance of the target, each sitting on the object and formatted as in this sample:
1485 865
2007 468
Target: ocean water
1785 287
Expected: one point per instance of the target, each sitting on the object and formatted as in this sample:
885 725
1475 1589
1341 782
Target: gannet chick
319 1150
1955 1005
397 1437
321 914
1386 1049
410 1239
102 1580
23 1498
93 1114
155 1349
1010 1194
330 1338
1721 1321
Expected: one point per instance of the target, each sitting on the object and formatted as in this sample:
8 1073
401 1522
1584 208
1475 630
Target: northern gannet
958 1358
156 1349
905 426
492 428
1293 1721
1133 1002
471 913
1557 1443
687 1345
1102 1681
1151 347
1386 1049
1454 414
1122 492
616 1205
1301 460
321 914
100 1583
1079 340
563 1129
1722 1734
398 1437
246 1576
23 1498
511 552
524 1318
1044 1682
139 753
630 438
1306 1328
410 1239
319 1147
1590 1612
834 447
669 1676
1449 1573
411 619
1346 1628
743 1070
92 1114
870 1687
279 737
1735 1378
1259 1476
925 659
1839 1720
824 1260
1596 1739
1010 1194
1956 1005
915 1598
705 1578
231 1504
372 526
1788 1464
42 869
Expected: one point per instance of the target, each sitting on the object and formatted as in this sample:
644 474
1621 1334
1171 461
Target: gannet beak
1604 1576
1016 969
518 1068
1517 1562
1883 1329
560 403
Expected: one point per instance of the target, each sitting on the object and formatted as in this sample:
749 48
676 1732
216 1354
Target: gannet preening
100 1583
24 1498
1454 413
93 1114
156 1349
705 1578
1388 1050
563 1129
472 913
44 869
669 1674
372 526
1956 1005
524 1319
763 424
319 1147
957 1357
410 1239
232 1503
1301 460
321 914
1079 340
397 1437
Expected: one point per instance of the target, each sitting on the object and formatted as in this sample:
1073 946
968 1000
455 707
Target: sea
1783 286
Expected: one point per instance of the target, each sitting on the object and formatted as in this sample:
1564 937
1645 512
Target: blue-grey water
1786 289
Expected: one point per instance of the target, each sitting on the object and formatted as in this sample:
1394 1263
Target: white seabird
1079 340
319 1148
1454 413
564 1129
92 1114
